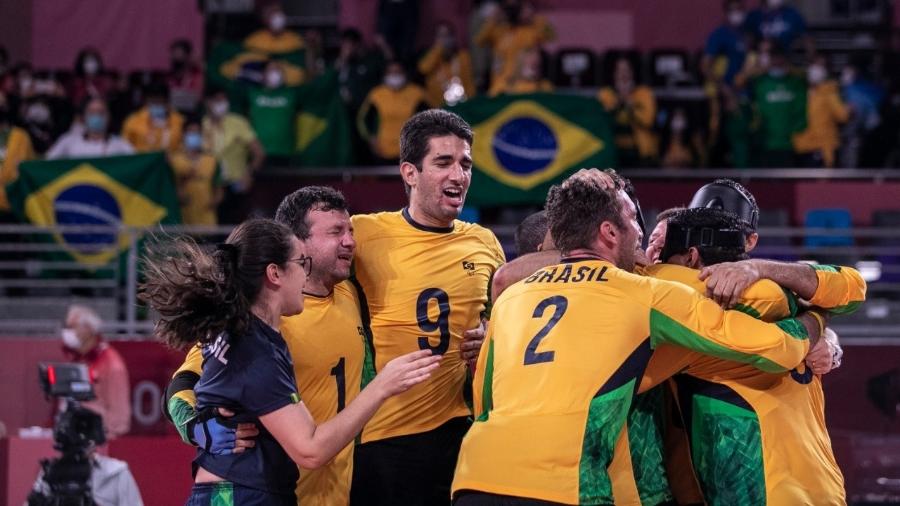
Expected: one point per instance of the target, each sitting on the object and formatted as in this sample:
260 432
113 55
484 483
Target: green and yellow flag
133 190
525 143
323 129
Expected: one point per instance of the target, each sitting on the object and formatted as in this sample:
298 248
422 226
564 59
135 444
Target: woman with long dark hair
231 301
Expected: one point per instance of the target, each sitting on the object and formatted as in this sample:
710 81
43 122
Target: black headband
679 239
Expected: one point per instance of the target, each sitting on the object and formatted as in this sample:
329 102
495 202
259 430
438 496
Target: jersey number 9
442 324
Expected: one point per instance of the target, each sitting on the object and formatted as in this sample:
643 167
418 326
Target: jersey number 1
560 304
339 378
442 324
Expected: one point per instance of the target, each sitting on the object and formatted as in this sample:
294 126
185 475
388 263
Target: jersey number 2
442 324
560 304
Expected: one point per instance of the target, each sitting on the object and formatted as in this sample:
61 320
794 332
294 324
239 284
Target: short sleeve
268 385
244 131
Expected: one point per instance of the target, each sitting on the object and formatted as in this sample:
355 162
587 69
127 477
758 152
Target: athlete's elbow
311 463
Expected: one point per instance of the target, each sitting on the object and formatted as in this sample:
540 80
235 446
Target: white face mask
277 22
395 81
91 66
219 108
273 78
816 74
736 18
847 77
774 4
678 123
70 339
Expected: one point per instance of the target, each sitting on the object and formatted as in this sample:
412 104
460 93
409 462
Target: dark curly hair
200 294
577 207
293 209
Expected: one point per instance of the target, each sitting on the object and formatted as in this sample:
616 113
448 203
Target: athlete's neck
267 312
423 218
588 253
318 287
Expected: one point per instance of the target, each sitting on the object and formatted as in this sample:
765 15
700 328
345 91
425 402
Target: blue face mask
193 141
95 123
158 111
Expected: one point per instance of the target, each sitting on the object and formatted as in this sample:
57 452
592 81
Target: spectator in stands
20 85
397 24
275 38
386 109
273 110
528 78
38 120
481 14
447 69
84 343
231 139
633 109
15 147
90 79
359 69
864 97
512 29
94 139
682 145
185 77
756 63
197 176
4 61
779 101
726 47
825 111
155 126
780 23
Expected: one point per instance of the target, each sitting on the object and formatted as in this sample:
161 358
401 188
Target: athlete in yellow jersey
326 341
568 345
756 438
425 276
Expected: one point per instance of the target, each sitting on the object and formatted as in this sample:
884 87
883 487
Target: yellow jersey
146 135
327 343
198 180
425 287
562 359
758 438
390 108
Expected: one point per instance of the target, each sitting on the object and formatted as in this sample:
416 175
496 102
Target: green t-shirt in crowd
272 114
780 104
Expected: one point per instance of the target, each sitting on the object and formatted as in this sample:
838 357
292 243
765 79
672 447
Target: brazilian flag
131 190
232 67
525 143
323 129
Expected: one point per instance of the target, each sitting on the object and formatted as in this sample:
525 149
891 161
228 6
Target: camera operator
84 344
79 476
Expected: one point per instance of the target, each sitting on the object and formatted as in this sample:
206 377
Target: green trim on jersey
747 310
181 413
664 329
725 437
645 440
487 389
606 418
793 327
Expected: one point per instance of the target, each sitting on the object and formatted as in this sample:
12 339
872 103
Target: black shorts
414 470
225 493
472 498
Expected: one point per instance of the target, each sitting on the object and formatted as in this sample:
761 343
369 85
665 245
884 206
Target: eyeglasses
305 262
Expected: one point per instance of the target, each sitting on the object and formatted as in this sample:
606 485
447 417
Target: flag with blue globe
113 192
525 143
